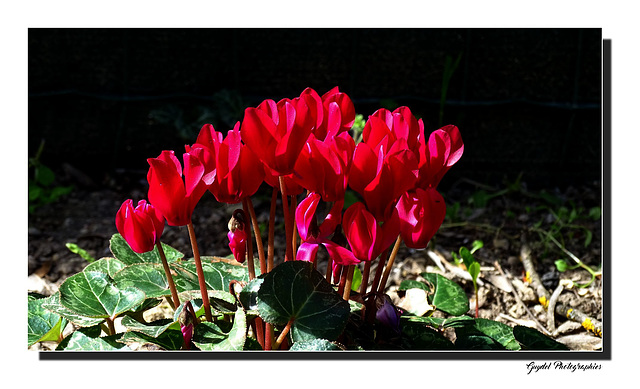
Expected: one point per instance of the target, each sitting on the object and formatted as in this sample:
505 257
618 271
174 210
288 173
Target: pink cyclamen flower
141 226
314 235
173 197
238 244
421 213
366 236
436 156
338 115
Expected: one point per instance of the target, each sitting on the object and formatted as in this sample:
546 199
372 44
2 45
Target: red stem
203 286
272 221
287 221
258 235
167 271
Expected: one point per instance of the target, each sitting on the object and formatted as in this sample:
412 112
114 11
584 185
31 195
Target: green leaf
106 265
34 192
210 337
439 322
595 213
356 280
74 248
316 345
44 176
153 329
295 290
219 300
467 258
79 341
53 304
417 336
499 332
448 297
217 274
148 277
171 339
476 245
470 338
94 294
532 339
561 265
121 250
42 324
249 294
474 271
413 284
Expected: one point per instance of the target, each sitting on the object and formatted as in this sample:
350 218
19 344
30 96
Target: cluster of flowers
303 145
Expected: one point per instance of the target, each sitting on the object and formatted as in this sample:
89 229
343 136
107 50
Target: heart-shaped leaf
217 274
448 297
439 322
210 337
153 329
249 294
148 277
220 302
532 339
122 251
106 265
417 336
80 341
168 340
295 290
43 325
53 304
94 294
499 332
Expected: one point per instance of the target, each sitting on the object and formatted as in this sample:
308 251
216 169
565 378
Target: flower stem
258 235
379 268
272 222
167 271
283 334
200 272
365 278
287 222
112 327
294 233
387 270
268 336
329 270
247 230
347 285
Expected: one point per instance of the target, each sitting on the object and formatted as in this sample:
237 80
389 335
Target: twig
519 300
551 322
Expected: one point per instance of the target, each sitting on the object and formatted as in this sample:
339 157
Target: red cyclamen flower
436 156
141 226
277 132
313 235
173 197
421 213
239 173
368 238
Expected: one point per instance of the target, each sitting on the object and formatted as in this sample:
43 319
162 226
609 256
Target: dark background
525 100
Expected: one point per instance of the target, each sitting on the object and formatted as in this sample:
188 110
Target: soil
503 223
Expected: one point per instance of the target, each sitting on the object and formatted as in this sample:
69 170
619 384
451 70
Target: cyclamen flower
173 197
323 166
366 236
421 213
238 244
443 149
276 133
314 235
141 226
238 172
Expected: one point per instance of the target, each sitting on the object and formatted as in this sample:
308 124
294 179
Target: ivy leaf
94 294
121 250
170 339
295 290
448 297
210 337
42 324
439 322
249 294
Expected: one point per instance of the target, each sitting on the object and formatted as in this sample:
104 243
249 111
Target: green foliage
41 181
74 248
293 293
